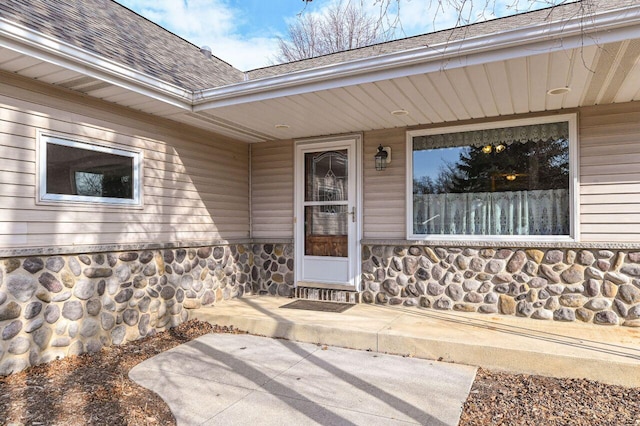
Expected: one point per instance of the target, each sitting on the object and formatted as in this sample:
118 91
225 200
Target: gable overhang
57 53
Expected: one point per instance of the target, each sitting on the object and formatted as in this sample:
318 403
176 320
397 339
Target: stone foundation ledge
111 248
541 244
599 286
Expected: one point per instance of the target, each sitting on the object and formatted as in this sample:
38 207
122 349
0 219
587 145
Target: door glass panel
325 231
326 176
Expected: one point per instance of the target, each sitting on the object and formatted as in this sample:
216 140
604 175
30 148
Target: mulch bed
521 399
95 389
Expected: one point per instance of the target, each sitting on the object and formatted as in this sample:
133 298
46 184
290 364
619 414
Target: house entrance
327 219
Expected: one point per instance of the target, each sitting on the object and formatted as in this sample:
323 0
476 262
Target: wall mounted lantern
382 157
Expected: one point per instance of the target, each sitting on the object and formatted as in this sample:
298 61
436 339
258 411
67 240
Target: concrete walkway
604 353
227 379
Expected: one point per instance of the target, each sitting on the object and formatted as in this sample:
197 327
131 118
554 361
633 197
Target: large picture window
503 180
81 172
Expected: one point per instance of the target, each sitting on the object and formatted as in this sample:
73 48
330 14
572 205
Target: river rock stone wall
272 271
54 306
593 286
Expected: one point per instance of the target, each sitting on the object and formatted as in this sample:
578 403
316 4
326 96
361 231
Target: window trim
43 138
574 193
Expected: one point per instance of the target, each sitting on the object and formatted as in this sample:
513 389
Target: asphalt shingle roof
117 33
557 13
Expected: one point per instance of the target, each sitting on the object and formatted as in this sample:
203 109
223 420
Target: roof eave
35 44
605 27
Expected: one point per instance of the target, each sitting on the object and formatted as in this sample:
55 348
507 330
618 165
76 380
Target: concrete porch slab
551 348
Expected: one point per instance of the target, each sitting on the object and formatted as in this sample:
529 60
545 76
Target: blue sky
245 32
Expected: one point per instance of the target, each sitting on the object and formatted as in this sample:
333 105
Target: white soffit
595 74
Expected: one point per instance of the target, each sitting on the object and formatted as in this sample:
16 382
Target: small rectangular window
498 181
82 172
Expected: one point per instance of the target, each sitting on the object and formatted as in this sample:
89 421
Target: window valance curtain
538 212
504 136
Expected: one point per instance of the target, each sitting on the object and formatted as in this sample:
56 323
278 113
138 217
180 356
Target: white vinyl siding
610 173
272 189
195 182
384 208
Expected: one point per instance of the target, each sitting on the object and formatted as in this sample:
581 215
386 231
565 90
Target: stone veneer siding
588 285
54 306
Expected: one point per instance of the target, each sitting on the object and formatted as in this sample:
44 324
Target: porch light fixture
400 112
282 126
500 148
511 177
558 91
487 149
382 157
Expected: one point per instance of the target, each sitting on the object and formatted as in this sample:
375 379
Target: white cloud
209 22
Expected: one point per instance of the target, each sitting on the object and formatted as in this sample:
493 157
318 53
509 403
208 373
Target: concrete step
610 354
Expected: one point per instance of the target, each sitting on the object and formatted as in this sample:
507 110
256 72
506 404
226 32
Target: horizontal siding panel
272 189
625 136
17 178
610 208
39 240
281 165
194 176
606 169
104 217
8 165
590 147
607 238
102 228
385 234
618 188
16 141
194 193
271 180
608 199
610 228
611 179
602 118
235 203
24 191
10 153
621 217
619 160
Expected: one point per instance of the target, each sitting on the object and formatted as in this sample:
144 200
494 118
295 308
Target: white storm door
326 213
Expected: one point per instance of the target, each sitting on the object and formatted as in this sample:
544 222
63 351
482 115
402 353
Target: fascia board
607 27
29 42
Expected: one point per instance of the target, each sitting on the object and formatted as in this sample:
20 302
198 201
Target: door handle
353 213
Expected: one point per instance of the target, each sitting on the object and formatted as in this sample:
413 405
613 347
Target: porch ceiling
597 74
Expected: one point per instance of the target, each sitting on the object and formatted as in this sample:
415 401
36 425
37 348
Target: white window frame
574 194
43 197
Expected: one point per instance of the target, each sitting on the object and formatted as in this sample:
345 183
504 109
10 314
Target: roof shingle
556 13
108 29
